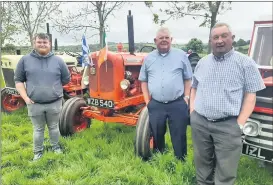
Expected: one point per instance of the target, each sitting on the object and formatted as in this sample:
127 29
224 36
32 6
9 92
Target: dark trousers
177 115
217 150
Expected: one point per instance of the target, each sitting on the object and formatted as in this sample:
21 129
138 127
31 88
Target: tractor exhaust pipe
49 34
131 41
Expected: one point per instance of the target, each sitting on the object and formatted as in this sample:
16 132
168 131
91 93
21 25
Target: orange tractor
115 95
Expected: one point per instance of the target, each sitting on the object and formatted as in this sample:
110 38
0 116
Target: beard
43 51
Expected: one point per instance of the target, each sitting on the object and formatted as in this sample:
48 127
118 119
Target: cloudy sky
240 18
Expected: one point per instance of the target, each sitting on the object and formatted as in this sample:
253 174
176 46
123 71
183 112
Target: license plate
13 91
257 152
101 103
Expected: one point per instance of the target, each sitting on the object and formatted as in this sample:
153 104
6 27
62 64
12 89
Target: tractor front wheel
10 103
144 142
71 119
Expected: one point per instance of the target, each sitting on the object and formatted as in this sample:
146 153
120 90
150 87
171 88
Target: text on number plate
101 103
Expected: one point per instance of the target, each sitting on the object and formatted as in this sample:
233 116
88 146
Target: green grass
103 154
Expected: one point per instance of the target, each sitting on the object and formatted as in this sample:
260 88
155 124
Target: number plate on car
100 103
257 152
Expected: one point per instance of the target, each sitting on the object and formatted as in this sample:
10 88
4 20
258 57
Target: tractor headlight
124 84
86 80
252 128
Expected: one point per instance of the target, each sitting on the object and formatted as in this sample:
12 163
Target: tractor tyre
71 119
144 143
8 105
62 116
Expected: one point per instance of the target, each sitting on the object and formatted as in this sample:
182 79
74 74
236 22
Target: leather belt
220 119
167 102
48 101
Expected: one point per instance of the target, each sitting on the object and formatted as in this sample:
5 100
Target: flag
104 50
85 51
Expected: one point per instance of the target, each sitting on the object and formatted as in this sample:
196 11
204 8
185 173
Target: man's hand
241 125
28 100
186 100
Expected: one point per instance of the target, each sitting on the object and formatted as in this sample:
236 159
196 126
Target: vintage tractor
258 131
115 96
11 99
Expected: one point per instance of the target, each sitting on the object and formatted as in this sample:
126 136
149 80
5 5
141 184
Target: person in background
44 75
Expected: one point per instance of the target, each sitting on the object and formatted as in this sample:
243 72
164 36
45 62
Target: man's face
221 40
42 46
163 41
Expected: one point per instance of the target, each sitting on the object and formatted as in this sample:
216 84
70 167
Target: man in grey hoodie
44 75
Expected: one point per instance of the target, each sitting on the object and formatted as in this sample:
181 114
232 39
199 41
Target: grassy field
101 155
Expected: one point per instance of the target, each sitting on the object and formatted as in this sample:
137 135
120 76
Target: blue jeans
41 115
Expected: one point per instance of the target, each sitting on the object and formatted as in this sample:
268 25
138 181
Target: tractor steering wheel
72 54
152 48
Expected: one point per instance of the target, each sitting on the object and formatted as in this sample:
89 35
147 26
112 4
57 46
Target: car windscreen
262 53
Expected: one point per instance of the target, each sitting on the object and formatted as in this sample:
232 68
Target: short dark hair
41 36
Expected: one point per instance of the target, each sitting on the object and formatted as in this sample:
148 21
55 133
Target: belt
48 101
220 119
167 102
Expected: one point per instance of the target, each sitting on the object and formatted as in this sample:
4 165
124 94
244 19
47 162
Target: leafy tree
9 47
234 43
91 16
241 42
195 45
207 10
32 15
8 28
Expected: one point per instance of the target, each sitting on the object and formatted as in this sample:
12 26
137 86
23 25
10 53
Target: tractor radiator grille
265 139
9 77
106 77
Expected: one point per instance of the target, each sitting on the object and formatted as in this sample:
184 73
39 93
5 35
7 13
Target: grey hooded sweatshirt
44 76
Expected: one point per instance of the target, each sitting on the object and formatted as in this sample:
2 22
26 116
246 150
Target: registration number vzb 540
100 103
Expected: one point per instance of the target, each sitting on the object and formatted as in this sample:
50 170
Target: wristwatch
187 97
241 127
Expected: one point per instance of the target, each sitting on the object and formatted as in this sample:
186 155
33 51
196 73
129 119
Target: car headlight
124 84
86 80
252 128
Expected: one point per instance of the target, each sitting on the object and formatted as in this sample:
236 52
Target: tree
8 27
195 45
91 16
241 42
32 15
208 10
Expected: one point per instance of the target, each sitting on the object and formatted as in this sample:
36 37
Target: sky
241 19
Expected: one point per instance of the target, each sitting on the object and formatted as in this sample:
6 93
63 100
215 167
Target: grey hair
220 24
163 29
41 36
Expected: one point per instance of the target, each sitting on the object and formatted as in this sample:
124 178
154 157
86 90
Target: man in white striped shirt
223 96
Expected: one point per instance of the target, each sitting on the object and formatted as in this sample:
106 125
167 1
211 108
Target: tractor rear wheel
144 143
71 120
9 103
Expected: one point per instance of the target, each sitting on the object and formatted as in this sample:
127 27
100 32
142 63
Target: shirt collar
165 54
225 56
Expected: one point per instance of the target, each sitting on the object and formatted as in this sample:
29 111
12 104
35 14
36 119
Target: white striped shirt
222 82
